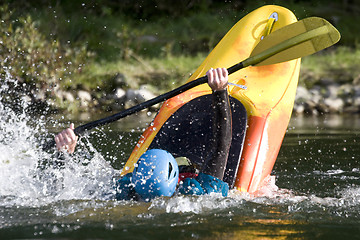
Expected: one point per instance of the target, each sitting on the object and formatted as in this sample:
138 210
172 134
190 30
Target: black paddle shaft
83 128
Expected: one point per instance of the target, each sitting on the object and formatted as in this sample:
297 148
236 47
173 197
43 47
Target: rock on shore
329 98
118 100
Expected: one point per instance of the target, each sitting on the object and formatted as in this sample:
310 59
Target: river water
316 192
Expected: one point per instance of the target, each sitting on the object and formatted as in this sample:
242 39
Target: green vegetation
37 63
54 46
340 65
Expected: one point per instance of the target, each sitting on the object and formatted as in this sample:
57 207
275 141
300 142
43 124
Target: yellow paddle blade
296 40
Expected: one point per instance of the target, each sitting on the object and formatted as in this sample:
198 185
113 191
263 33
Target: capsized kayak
261 112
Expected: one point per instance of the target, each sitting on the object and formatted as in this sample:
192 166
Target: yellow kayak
261 112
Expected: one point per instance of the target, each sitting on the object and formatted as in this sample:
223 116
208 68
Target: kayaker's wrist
219 90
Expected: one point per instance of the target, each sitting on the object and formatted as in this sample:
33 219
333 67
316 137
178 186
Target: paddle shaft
83 128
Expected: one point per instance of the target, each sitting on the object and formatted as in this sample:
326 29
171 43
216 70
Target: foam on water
347 204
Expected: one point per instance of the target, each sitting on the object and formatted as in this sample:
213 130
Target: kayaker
149 180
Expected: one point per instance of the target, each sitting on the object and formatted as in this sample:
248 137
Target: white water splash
24 181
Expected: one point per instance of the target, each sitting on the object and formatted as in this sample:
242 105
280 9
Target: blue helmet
156 174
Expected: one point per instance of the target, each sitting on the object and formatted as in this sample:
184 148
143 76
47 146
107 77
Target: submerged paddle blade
296 40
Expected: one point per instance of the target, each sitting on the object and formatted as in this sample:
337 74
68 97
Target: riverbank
329 82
